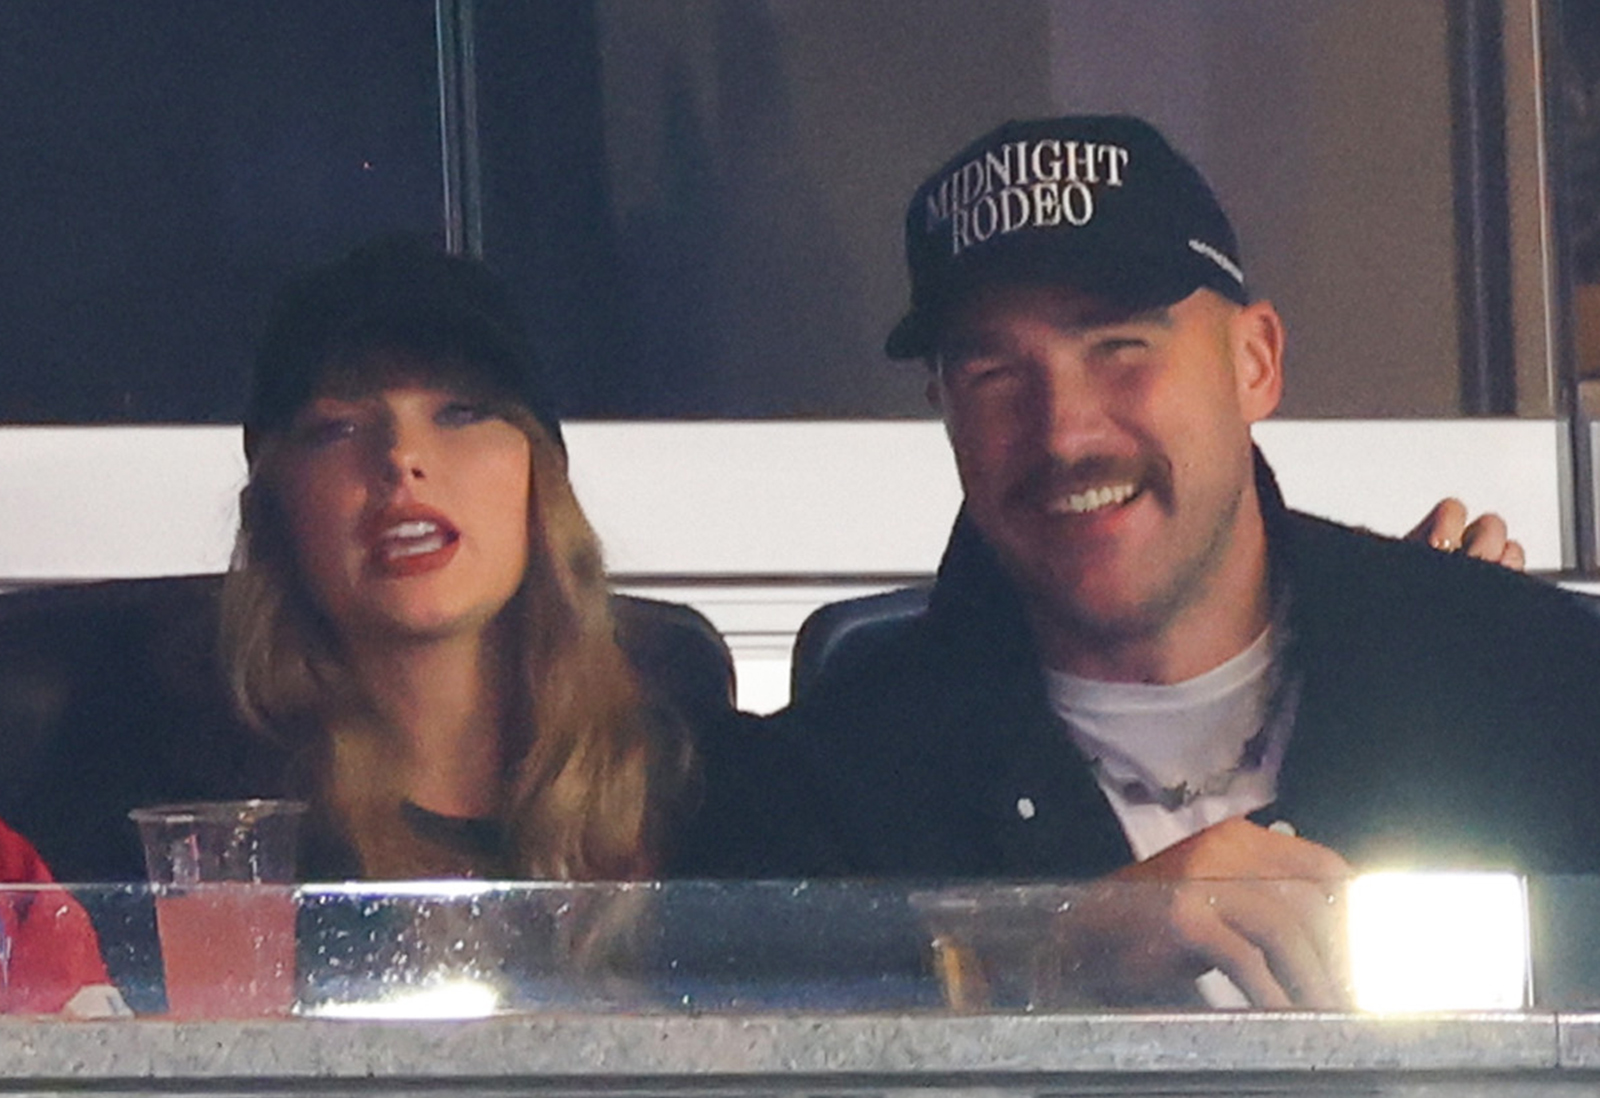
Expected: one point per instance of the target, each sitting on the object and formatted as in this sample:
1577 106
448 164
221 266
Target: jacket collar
974 605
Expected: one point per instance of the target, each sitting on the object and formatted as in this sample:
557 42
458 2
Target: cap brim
908 339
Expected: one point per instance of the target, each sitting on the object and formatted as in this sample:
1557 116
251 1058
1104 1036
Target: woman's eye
460 413
325 431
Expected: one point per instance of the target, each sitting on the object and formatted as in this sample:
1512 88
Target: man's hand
1260 906
1446 528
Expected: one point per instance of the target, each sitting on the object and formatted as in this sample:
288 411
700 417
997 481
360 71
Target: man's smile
1092 487
1093 500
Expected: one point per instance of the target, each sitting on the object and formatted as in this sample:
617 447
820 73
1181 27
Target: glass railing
1377 943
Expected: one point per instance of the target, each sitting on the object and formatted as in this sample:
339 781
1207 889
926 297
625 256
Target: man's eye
984 371
1121 345
460 413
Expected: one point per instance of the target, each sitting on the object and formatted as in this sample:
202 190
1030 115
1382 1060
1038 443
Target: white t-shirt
1175 759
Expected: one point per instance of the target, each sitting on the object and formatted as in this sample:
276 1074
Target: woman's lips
410 543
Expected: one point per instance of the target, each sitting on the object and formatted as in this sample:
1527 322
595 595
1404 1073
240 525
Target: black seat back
839 634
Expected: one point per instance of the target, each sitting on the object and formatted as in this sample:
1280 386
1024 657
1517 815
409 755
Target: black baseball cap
396 292
1099 202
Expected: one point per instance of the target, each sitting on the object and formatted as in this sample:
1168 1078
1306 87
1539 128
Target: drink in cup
225 909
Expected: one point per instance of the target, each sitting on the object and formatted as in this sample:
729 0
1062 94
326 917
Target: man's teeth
1081 503
414 529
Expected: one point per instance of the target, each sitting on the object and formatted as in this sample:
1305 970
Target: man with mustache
1137 663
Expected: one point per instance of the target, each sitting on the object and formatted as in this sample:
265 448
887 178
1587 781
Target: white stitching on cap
1219 259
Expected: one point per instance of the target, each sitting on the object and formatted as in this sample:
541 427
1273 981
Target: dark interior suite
111 698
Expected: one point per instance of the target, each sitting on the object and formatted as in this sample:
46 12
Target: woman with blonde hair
417 610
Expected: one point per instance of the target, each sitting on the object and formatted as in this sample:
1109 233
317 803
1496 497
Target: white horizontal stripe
737 498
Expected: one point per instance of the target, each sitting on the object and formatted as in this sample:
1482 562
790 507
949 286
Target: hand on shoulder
1447 528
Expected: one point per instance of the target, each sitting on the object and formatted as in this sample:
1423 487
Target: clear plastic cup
225 905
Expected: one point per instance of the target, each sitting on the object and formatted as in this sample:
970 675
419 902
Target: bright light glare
1438 941
465 889
446 1000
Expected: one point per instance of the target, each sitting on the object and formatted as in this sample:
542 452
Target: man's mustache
1051 478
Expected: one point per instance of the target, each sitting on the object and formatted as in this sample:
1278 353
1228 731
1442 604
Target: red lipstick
409 540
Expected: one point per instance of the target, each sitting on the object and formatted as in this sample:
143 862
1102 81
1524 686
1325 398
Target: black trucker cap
1099 202
396 292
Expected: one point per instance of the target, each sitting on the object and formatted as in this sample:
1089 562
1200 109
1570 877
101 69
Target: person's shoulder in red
49 954
19 861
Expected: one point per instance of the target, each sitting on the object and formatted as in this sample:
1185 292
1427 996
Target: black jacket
1449 715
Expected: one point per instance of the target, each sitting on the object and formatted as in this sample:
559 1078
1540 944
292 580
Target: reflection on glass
1439 941
447 999
425 950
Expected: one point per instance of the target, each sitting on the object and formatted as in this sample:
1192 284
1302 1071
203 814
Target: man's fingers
1232 955
1246 932
1443 527
1487 538
1251 902
1446 528
1289 924
1205 933
1514 557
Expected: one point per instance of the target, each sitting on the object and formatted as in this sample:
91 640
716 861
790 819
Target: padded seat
111 697
841 633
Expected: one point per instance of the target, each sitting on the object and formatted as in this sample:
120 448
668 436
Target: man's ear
1257 336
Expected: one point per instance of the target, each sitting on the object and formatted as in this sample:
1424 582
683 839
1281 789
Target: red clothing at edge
48 947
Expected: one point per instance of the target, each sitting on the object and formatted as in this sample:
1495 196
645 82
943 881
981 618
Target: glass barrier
1381 942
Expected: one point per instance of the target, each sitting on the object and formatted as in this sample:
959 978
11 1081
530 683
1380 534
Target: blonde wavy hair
593 768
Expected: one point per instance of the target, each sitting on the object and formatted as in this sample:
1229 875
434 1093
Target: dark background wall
697 200
163 165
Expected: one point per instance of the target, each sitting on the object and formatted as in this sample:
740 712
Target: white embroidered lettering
973 182
1020 151
997 170
958 231
1046 205
1024 185
1047 171
1014 207
1080 162
938 206
1116 159
1077 203
985 205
